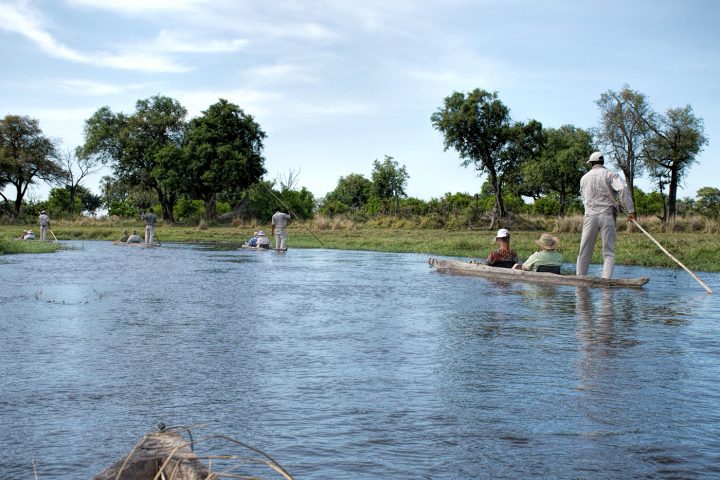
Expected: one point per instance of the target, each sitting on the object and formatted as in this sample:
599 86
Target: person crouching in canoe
546 256
504 256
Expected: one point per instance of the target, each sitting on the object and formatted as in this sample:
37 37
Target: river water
354 365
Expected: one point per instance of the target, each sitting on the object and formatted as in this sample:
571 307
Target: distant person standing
150 219
44 222
599 189
279 221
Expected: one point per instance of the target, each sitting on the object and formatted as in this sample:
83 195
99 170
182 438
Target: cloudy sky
337 84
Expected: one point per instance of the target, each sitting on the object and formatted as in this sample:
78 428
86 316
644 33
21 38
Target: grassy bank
696 249
8 245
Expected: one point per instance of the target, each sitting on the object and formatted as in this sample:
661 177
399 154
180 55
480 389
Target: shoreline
697 251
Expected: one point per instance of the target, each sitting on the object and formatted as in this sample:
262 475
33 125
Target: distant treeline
212 166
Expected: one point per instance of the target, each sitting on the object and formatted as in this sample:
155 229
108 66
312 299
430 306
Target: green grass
697 250
8 245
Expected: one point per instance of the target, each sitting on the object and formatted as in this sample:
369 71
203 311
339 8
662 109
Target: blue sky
337 84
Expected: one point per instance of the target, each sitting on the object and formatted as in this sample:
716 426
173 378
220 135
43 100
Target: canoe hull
141 244
485 271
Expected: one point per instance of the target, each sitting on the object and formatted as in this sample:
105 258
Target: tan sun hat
548 242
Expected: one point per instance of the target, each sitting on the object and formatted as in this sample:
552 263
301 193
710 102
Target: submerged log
159 455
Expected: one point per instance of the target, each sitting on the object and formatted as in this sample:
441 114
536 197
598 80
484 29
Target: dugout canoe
262 249
485 271
135 244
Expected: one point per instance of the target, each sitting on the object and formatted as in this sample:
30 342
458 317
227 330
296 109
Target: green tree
222 152
389 180
561 164
26 155
141 147
707 202
677 138
478 126
624 130
124 198
353 191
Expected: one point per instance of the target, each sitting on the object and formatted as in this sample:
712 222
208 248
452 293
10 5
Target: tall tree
478 126
561 164
222 152
141 146
76 167
623 130
677 138
389 180
26 155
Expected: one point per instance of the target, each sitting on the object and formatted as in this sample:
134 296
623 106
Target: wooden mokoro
139 244
480 270
261 249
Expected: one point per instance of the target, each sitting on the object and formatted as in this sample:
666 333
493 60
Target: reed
8 246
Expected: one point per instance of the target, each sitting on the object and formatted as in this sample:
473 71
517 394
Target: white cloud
172 42
27 24
137 6
92 88
279 72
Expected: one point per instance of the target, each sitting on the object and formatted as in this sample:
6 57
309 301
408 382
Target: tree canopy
676 139
26 155
140 145
561 165
479 127
222 151
623 130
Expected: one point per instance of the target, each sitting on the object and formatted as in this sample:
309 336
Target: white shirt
599 187
279 220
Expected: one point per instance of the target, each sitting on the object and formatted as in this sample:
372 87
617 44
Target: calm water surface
351 365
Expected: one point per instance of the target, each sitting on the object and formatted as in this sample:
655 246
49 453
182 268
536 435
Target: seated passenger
262 240
547 256
124 237
253 240
29 235
503 256
134 238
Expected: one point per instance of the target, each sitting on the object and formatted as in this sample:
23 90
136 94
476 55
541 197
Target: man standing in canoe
599 189
44 222
150 219
279 221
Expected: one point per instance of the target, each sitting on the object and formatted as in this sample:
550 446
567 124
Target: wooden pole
670 255
53 234
293 213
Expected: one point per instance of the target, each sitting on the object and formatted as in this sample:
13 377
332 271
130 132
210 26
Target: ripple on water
355 365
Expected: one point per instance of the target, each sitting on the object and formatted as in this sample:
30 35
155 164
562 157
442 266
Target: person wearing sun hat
601 190
547 255
504 255
262 240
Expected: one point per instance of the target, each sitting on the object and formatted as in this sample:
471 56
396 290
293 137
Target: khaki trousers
592 225
149 233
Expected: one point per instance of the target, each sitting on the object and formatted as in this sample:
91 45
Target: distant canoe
137 244
263 249
480 270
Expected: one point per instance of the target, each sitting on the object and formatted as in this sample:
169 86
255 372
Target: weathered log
166 452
